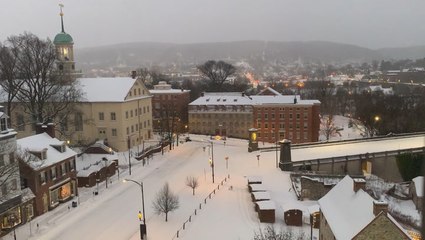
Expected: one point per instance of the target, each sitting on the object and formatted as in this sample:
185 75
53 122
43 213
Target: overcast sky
367 23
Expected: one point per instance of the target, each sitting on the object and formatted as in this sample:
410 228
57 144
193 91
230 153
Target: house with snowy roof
47 167
416 191
274 115
16 204
348 212
96 164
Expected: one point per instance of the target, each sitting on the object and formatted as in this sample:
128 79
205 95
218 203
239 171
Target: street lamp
211 160
106 170
227 162
143 231
258 160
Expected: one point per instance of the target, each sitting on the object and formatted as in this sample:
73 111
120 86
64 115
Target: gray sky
368 23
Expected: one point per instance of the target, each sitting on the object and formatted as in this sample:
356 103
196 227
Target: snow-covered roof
266 205
347 212
225 99
40 142
261 196
293 206
91 163
106 89
370 146
270 90
168 91
254 179
257 187
419 185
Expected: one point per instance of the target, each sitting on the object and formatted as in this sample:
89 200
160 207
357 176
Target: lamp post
227 162
106 170
129 157
275 141
212 160
258 160
143 231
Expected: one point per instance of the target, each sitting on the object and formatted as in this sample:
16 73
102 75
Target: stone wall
381 228
313 189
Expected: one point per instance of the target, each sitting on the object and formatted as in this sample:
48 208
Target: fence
199 208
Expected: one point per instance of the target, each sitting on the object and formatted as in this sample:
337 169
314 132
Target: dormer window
3 124
59 147
42 155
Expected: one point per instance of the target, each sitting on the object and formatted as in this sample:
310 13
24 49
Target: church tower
65 51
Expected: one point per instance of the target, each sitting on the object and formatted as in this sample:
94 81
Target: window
114 132
281 115
126 114
132 129
3 124
30 211
101 116
72 165
131 113
42 177
78 122
128 130
290 116
266 116
144 109
53 173
135 112
113 116
134 92
20 122
298 116
63 166
14 184
64 123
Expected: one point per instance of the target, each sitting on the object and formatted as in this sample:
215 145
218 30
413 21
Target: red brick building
171 104
47 167
275 116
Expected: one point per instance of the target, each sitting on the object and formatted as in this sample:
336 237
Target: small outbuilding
256 188
254 180
266 211
293 214
260 196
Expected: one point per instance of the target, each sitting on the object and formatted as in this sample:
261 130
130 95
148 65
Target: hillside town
218 149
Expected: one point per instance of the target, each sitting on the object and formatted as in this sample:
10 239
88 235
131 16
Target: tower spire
61 14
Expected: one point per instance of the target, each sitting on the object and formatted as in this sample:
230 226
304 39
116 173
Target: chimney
243 94
285 161
48 128
202 94
133 74
380 206
359 183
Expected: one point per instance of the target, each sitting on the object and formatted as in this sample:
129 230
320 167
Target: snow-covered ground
229 214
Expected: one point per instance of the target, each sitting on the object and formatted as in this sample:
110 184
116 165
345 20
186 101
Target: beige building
116 110
224 114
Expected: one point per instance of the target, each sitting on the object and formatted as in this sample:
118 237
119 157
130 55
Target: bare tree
165 201
328 127
9 169
216 72
43 92
192 182
8 75
270 233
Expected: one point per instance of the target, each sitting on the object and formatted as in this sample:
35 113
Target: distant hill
415 52
148 53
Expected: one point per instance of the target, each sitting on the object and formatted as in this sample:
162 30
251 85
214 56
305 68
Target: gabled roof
42 142
270 90
346 211
106 89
